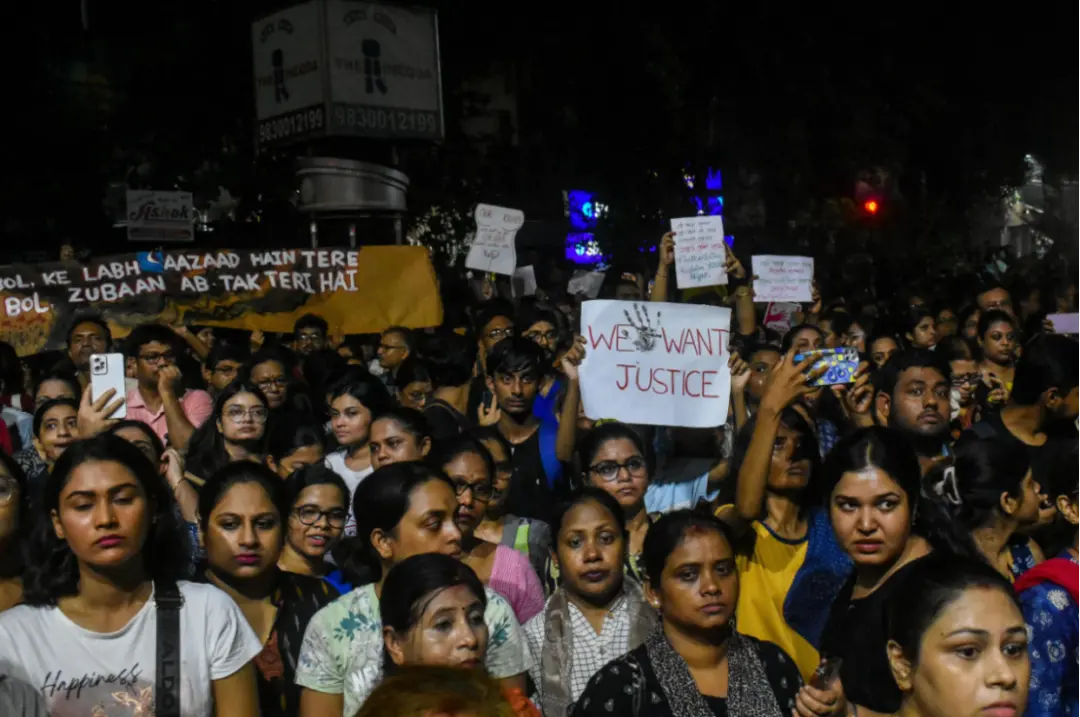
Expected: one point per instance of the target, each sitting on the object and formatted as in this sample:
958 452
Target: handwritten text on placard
493 248
700 251
656 363
783 278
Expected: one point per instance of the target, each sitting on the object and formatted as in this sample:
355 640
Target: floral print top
1052 622
343 646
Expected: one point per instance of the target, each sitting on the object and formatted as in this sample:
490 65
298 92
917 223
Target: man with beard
309 334
1043 404
89 335
913 397
514 368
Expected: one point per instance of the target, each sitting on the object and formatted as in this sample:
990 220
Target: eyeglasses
609 470
965 379
155 359
237 413
548 337
279 382
500 334
480 491
310 337
312 514
8 489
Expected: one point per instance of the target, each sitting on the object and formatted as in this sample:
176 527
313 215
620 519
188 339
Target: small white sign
700 252
524 281
656 363
492 249
586 282
160 216
783 278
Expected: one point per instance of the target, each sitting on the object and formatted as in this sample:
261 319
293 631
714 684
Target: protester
882 347
269 370
235 431
414 384
89 335
56 426
398 434
450 358
318 503
912 396
920 329
14 527
56 385
395 346
294 443
309 334
997 350
221 367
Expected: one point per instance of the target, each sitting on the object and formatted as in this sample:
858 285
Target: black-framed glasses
609 470
500 334
312 514
257 414
155 359
480 491
310 337
548 337
279 382
965 379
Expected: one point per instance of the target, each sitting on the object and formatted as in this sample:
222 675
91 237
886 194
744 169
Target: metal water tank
329 184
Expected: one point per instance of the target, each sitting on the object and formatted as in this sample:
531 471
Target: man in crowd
913 397
450 359
89 335
223 365
395 345
995 296
159 400
309 334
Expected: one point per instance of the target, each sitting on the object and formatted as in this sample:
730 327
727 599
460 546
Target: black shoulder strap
168 600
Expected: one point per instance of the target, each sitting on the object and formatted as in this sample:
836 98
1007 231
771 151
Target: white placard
782 278
656 363
524 281
492 249
780 316
160 216
287 62
1065 323
586 282
383 70
700 251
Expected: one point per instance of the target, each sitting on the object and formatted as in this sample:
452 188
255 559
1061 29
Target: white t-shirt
82 673
336 462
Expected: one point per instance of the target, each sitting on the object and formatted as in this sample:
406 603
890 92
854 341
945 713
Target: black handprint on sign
647 334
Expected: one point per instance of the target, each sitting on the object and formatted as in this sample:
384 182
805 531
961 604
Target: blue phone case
841 365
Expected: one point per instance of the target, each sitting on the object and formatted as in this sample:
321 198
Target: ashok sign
345 68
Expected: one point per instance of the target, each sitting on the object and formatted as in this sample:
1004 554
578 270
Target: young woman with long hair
106 548
235 431
318 503
399 434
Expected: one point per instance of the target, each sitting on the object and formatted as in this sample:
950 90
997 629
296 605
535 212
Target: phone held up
826 673
840 365
107 371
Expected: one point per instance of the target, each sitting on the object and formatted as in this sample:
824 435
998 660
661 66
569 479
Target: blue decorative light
581 209
713 181
582 248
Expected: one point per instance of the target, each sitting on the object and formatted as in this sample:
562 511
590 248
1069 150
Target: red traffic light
871 206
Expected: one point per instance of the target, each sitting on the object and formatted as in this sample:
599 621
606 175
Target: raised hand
667 250
573 358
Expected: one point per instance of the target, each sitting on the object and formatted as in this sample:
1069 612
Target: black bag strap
168 601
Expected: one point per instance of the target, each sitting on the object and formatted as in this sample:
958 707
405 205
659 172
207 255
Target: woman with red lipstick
233 432
318 501
402 510
354 403
596 612
471 469
957 643
693 663
241 510
111 541
433 614
399 434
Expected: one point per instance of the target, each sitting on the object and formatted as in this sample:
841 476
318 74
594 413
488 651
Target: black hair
808 448
964 314
913 316
592 441
11 374
292 433
956 348
410 420
535 312
365 388
412 370
62 377
516 355
224 351
994 316
89 319
17 546
320 368
753 347
462 444
839 321
315 474
492 433
147 334
412 584
588 494
1061 478
39 414
883 332
1048 361
407 335
886 378
270 353
206 448
379 503
238 473
52 569
789 338
489 310
450 357
311 321
932 584
971 485
667 533
155 441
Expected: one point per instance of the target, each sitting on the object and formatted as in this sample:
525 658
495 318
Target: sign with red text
780 316
160 216
492 249
656 363
782 278
700 251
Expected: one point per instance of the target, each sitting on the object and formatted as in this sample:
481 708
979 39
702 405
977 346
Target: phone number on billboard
296 124
386 121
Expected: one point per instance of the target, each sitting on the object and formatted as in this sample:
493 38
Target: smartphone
107 371
840 364
827 672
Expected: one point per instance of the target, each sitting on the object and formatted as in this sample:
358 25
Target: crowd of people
426 521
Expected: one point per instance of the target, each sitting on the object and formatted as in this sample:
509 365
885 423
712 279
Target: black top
445 421
613 691
529 495
1042 458
856 633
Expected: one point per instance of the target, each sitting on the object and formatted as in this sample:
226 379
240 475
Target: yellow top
765 576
